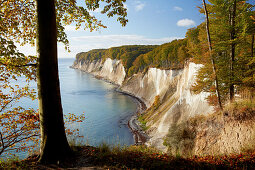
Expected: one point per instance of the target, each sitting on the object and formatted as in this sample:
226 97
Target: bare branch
25 65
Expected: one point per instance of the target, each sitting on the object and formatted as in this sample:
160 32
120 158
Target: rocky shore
140 137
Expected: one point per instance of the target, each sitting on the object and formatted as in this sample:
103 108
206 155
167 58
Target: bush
180 139
156 102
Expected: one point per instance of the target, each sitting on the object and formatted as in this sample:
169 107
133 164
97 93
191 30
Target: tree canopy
137 58
231 30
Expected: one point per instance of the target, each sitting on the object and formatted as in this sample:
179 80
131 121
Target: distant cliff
111 70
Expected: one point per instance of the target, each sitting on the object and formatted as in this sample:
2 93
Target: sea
106 111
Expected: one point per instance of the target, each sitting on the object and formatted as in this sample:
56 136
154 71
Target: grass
142 157
12 163
138 157
241 110
143 123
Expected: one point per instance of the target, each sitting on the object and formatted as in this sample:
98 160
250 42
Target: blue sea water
106 111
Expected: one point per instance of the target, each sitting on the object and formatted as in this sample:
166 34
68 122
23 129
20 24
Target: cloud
125 6
27 49
86 43
139 6
106 41
70 28
97 10
176 8
186 23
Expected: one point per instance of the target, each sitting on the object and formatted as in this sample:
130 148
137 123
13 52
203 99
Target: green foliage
18 19
180 139
138 58
127 54
220 29
143 123
241 110
18 125
167 56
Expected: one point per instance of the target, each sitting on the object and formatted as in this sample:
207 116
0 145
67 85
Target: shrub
156 102
180 139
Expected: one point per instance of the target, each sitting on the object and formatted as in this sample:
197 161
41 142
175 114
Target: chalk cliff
111 70
177 103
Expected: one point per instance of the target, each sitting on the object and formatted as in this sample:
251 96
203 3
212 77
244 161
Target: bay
106 111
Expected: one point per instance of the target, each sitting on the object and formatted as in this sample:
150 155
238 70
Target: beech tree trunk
252 45
211 55
54 146
232 51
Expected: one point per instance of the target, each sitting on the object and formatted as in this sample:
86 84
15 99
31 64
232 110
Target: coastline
139 136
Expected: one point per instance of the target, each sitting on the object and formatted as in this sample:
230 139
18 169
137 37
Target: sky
151 22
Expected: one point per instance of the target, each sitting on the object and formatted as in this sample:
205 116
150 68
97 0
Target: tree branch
14 98
2 150
25 65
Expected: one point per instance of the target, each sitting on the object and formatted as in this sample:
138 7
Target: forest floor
137 157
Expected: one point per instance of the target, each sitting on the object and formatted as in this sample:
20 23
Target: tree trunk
211 56
232 52
54 145
252 46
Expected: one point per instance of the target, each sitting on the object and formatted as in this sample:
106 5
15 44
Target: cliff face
177 104
177 101
224 136
111 70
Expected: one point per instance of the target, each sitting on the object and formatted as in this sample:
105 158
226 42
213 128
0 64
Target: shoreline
139 136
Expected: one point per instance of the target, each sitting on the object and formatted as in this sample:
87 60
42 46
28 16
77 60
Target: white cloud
27 49
176 8
70 28
98 10
186 23
86 43
139 5
125 6
106 41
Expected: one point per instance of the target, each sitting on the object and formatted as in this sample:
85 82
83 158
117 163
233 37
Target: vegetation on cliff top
137 58
127 54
